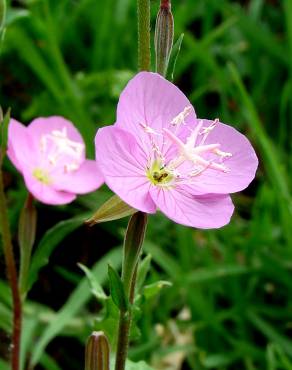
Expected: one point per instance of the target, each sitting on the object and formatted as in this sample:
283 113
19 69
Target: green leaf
26 239
117 290
2 14
95 286
49 242
141 365
4 365
73 305
112 209
143 270
154 289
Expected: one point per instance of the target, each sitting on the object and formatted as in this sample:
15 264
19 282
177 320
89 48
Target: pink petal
45 193
20 146
151 100
123 166
84 180
202 211
45 125
242 165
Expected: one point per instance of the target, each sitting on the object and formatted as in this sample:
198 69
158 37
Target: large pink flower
160 155
50 154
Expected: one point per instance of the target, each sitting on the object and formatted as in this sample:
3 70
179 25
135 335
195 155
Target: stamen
58 147
207 130
180 118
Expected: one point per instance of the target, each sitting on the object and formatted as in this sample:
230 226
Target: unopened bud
97 352
163 36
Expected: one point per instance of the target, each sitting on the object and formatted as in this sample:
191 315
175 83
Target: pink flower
50 154
160 155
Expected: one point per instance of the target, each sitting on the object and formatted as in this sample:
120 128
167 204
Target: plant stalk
144 53
12 277
132 249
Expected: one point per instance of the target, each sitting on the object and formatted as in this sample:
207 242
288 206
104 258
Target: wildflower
50 154
158 154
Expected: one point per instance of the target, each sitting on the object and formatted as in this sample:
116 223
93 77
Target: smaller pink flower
50 154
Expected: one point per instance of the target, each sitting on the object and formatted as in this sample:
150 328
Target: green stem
12 277
26 238
144 53
132 249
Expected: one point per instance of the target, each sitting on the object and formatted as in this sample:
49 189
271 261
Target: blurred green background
230 303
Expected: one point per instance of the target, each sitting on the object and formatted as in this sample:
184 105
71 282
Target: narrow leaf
154 289
96 288
117 290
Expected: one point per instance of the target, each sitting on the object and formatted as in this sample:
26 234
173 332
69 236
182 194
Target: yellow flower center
158 174
42 176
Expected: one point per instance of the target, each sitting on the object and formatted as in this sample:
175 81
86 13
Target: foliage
229 306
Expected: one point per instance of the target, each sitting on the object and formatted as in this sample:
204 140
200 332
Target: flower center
42 176
159 175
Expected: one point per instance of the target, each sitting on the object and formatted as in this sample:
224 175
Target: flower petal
45 193
201 211
149 99
242 165
45 125
123 166
20 146
85 180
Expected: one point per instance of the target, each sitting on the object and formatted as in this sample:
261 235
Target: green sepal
117 290
113 209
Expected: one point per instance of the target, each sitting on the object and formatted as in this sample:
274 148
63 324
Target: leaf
4 365
73 305
130 365
2 14
117 290
96 288
154 289
112 209
143 270
26 238
49 242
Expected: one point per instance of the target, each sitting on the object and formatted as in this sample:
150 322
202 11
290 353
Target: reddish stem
12 277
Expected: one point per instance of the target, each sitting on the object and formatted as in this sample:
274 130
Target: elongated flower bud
163 36
97 353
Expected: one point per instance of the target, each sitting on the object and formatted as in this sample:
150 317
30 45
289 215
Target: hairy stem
12 277
144 53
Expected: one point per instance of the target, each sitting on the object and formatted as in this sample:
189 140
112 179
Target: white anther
222 154
180 118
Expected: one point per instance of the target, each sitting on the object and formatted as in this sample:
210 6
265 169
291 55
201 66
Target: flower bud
163 37
97 352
